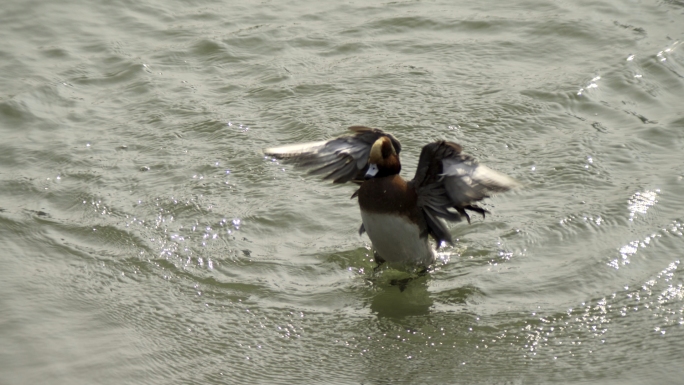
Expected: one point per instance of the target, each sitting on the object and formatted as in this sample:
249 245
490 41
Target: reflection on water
640 202
391 302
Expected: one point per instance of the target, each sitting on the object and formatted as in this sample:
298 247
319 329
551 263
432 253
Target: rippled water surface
145 239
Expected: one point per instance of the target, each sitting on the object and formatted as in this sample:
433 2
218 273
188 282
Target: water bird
399 215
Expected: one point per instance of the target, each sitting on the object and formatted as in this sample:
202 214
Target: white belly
397 240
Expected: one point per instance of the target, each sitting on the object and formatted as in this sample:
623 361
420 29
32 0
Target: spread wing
342 159
447 179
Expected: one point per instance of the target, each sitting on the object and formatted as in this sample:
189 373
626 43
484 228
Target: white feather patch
397 240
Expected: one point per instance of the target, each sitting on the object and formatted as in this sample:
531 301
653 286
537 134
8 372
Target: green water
145 239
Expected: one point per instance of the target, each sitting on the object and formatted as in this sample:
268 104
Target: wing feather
447 180
342 159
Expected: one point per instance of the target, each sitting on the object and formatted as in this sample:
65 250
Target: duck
399 216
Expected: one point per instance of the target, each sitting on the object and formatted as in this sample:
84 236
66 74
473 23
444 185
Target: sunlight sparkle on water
628 250
661 55
592 84
443 257
640 202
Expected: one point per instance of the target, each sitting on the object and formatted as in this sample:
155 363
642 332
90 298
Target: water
145 238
